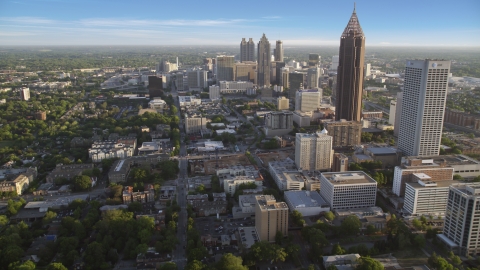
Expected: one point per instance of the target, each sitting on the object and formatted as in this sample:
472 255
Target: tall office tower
368 69
296 81
214 92
25 93
313 75
225 65
279 51
334 65
339 163
348 100
391 115
278 70
246 72
270 217
398 114
264 62
308 100
197 80
461 230
313 60
247 50
423 107
179 85
313 152
284 78
207 64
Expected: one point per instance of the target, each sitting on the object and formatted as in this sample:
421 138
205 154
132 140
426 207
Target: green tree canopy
366 263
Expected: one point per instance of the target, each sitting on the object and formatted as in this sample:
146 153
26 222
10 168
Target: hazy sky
225 22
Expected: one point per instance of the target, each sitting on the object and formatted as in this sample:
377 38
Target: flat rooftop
247 200
348 178
268 202
440 184
382 151
450 159
303 198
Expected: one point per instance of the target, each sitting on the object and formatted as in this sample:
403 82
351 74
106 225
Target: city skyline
59 22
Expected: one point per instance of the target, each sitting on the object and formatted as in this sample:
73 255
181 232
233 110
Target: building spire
353 26
354 7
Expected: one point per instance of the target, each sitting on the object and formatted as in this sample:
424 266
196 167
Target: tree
298 218
169 266
329 216
338 250
366 263
3 220
231 262
351 225
195 265
371 229
417 224
56 266
49 216
419 240
28 265
82 182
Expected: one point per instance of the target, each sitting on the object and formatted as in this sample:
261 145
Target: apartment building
270 217
313 152
461 230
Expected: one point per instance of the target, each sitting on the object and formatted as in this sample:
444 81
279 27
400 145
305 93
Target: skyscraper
247 50
264 62
423 107
348 101
225 65
279 51
460 232
313 60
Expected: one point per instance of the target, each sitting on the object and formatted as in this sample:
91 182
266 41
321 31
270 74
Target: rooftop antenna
354 7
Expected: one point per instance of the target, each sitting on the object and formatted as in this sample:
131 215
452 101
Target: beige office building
282 103
270 217
313 151
246 71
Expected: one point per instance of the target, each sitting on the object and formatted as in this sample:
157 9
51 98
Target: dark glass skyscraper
247 50
348 102
264 62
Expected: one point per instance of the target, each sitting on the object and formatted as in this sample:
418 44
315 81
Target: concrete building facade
346 190
270 217
423 107
345 133
461 230
313 152
308 100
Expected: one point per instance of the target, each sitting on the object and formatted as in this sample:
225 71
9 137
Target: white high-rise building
368 70
313 75
313 152
423 108
25 93
214 92
393 109
308 100
461 230
398 113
